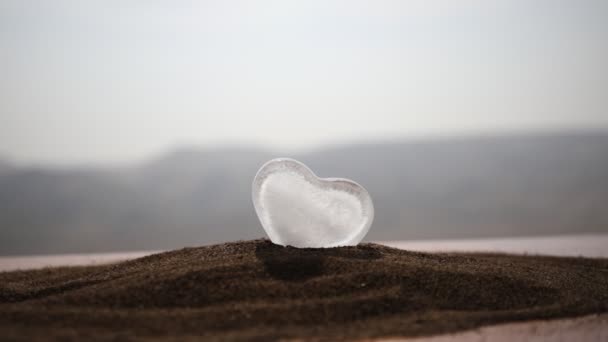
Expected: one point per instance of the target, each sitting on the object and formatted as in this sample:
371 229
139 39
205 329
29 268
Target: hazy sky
110 81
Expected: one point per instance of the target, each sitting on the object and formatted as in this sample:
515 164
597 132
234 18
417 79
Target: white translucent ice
297 208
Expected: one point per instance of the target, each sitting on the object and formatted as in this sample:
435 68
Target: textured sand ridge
255 289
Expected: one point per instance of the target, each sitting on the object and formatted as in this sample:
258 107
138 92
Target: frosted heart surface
299 209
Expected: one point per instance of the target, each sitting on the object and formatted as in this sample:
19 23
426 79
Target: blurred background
140 125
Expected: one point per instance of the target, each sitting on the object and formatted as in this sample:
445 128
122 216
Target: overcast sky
113 81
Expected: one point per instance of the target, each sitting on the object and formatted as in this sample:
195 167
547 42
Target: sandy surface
254 289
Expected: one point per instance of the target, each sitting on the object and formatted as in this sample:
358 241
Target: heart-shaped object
299 209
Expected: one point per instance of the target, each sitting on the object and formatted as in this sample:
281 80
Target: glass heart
299 209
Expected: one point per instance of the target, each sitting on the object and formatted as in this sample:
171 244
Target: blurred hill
5 166
447 188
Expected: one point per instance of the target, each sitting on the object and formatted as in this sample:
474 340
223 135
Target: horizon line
262 147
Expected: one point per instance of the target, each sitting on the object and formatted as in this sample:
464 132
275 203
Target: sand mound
255 289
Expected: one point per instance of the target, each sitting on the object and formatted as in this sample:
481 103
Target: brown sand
254 289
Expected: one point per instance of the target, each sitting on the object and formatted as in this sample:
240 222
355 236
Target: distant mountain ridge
445 188
5 166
